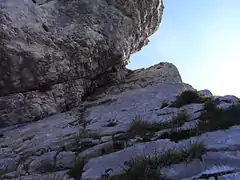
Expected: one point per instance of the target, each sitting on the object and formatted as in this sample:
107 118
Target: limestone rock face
62 65
53 52
162 73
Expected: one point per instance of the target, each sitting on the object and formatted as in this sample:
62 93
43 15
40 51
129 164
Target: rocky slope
93 118
99 130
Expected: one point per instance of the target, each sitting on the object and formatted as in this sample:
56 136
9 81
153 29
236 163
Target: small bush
179 119
149 166
211 120
117 144
187 97
77 170
195 151
146 130
81 143
217 119
179 135
164 104
112 123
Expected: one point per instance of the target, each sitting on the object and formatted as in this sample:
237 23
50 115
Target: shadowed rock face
54 52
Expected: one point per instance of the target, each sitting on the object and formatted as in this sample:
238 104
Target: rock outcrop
55 52
62 65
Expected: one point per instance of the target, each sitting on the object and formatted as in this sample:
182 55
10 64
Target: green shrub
149 166
211 120
117 144
187 97
112 123
140 127
164 104
77 170
179 119
217 119
146 130
179 135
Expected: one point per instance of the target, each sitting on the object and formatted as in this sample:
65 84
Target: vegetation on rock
149 166
187 97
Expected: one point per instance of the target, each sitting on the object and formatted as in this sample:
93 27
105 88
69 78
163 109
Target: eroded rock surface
62 65
52 146
54 52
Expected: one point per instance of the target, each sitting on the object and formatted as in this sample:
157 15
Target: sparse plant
195 151
216 119
164 104
142 168
179 119
146 130
111 123
165 113
117 144
187 97
143 128
106 175
77 170
149 166
212 119
81 143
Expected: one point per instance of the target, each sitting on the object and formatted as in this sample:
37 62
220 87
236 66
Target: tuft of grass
77 170
149 166
195 151
211 120
164 104
187 97
81 143
179 135
179 119
217 119
112 123
117 145
146 130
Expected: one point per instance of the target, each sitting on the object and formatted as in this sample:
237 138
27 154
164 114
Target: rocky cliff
55 52
62 65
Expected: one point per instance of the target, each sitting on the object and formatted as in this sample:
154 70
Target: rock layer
54 52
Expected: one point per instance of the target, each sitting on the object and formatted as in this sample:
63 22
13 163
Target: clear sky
202 38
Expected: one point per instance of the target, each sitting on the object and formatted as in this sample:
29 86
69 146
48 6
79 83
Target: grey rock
61 175
232 176
206 93
193 110
96 167
65 160
230 99
183 170
145 102
53 52
215 141
224 105
97 150
161 73
44 163
59 56
7 165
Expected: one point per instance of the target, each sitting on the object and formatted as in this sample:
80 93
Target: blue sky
202 38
